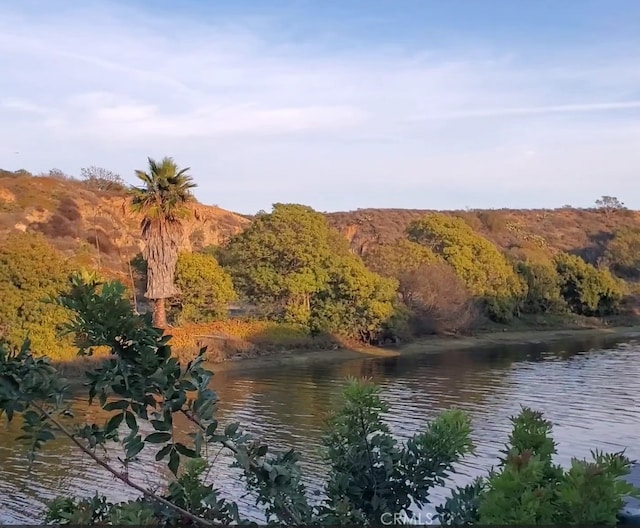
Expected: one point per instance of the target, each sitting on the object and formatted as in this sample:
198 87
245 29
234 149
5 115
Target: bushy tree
400 260
205 289
586 289
291 262
439 300
354 302
281 260
31 272
543 292
102 179
623 252
479 263
609 205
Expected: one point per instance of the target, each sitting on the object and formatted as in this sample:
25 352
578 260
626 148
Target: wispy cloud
107 84
534 110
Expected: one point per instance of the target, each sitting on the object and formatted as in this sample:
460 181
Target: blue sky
335 104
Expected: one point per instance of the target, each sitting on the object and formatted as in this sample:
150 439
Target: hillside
522 232
96 226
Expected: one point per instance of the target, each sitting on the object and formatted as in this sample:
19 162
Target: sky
335 104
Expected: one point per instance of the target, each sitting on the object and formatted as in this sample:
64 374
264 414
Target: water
587 389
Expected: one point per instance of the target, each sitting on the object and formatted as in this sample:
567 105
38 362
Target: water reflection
586 388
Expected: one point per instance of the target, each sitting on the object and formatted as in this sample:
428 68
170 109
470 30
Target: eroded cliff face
97 227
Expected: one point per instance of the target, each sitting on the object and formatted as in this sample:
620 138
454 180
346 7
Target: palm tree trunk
159 314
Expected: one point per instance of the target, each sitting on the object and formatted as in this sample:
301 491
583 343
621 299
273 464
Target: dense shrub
205 289
528 489
588 290
31 272
623 252
543 293
298 268
355 302
439 300
478 262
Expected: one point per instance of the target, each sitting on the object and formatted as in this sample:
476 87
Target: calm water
588 389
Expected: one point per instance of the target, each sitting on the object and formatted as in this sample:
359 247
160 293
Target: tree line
292 267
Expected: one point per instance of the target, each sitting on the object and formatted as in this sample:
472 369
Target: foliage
31 272
291 263
101 179
484 269
354 302
439 299
609 204
162 202
281 260
586 289
543 293
371 475
623 252
528 489
205 289
142 386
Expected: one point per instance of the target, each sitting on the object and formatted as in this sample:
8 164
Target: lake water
588 389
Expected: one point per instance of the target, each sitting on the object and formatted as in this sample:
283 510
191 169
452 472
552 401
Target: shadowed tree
162 202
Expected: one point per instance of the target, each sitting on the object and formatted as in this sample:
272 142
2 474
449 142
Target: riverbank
232 353
431 345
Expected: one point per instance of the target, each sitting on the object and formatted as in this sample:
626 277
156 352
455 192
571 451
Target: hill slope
97 227
524 232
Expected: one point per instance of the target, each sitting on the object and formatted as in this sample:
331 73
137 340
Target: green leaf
231 429
164 452
158 438
114 423
211 428
131 421
184 450
160 425
134 447
174 462
115 405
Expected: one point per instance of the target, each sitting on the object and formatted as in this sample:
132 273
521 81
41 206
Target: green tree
31 271
400 260
623 252
479 263
354 302
205 289
543 293
280 261
588 290
162 202
293 264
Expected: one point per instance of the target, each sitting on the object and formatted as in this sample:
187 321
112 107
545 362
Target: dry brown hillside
527 232
79 221
95 226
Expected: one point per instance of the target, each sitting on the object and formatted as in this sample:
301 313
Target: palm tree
163 203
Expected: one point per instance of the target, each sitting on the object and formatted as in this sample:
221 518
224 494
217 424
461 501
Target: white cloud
110 85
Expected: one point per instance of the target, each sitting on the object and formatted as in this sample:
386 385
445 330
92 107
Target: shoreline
421 346
427 345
